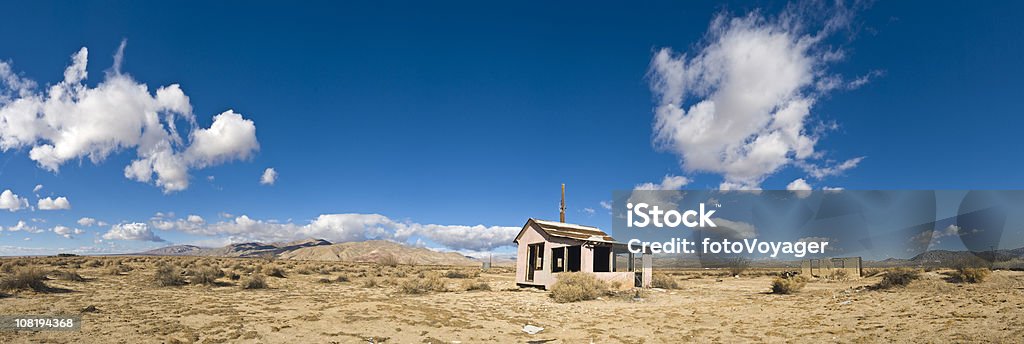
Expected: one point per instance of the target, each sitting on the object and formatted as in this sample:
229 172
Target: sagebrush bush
68 276
422 285
971 275
471 285
664 281
788 285
839 275
737 266
341 279
457 274
256 281
207 275
389 260
25 278
899 277
168 275
273 271
577 286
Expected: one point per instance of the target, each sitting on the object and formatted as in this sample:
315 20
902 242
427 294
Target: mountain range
323 250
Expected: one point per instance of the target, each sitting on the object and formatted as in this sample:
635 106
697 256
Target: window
623 260
838 263
602 259
558 259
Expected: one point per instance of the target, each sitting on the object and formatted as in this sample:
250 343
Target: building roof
569 230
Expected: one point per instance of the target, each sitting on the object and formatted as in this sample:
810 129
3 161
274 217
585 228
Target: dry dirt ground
130 308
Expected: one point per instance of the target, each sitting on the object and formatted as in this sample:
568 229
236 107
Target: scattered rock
530 329
90 309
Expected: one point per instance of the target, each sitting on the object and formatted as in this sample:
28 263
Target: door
536 258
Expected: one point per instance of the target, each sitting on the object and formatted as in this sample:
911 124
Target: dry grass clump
371 283
422 285
118 269
790 285
1015 264
838 275
388 260
168 275
68 276
256 281
577 286
473 285
738 266
970 275
273 271
872 272
460 274
305 270
25 278
206 275
898 277
664 281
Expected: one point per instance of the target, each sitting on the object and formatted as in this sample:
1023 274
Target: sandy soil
299 309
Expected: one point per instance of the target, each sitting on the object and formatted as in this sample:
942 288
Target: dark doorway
572 258
602 259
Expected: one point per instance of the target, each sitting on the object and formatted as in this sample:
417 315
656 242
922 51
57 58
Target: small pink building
547 248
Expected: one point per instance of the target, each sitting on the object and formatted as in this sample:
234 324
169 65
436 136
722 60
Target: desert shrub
206 275
839 275
273 271
93 263
899 277
788 285
341 279
872 272
370 283
304 271
471 285
422 285
388 260
118 269
168 275
256 281
737 266
324 280
25 278
970 275
68 276
664 281
577 286
1015 264
234 276
457 274
616 285
7 268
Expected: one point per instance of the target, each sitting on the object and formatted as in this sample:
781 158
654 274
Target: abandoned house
827 267
547 248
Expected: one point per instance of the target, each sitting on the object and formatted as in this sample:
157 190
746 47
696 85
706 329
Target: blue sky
467 113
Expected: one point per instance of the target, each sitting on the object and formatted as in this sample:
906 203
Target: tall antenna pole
561 208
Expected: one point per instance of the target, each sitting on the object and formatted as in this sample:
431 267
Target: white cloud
71 121
131 231
269 176
11 202
37 188
800 188
606 205
87 221
351 227
822 171
740 105
589 211
667 183
59 203
195 219
21 226
66 232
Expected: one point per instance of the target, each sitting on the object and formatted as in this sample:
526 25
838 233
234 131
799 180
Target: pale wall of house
544 277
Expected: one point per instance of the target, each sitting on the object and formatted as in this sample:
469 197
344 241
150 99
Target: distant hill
375 251
319 249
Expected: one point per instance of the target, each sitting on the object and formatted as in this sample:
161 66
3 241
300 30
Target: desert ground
328 302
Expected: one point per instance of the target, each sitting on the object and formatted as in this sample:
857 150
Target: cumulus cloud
21 226
740 105
66 232
71 121
350 227
800 188
87 221
131 231
37 188
269 176
12 202
667 183
59 203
